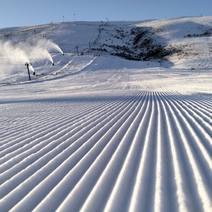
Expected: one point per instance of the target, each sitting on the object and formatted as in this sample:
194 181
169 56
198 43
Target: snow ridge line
117 144
46 138
86 122
54 123
73 173
175 160
144 166
206 128
197 108
121 188
102 117
56 127
201 187
158 204
195 127
120 143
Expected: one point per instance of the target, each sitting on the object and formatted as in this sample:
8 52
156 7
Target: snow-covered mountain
181 42
117 116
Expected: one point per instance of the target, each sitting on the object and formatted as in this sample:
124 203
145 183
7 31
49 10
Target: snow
97 132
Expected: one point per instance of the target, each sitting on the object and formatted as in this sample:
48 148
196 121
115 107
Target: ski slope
100 133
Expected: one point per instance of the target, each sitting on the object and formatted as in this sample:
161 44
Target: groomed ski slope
130 151
101 133
115 149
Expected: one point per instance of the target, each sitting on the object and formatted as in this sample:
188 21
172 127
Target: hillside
117 116
175 43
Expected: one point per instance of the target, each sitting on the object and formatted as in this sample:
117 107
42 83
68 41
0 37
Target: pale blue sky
33 12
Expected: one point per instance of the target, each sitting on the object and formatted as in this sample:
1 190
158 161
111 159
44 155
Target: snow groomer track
138 151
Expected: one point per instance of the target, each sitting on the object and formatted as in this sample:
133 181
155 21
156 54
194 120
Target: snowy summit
107 116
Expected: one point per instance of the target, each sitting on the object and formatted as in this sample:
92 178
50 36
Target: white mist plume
14 56
39 51
49 45
11 58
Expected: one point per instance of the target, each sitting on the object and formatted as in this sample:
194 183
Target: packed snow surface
97 132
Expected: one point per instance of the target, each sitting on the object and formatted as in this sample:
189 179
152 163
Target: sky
35 12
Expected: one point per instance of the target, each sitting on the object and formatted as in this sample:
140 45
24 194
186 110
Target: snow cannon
53 64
